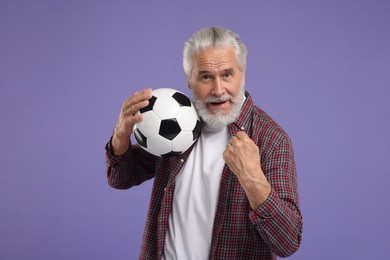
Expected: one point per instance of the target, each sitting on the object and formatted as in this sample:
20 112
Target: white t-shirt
196 197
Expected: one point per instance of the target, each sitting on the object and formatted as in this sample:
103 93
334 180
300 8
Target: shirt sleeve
130 169
278 220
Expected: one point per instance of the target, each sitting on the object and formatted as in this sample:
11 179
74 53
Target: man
233 194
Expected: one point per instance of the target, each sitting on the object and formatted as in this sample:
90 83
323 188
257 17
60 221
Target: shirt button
242 128
181 160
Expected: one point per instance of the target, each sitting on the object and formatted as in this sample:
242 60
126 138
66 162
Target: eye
205 77
228 74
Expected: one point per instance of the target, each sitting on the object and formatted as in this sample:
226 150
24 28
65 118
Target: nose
218 89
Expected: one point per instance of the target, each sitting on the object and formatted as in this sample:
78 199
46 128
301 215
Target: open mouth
218 103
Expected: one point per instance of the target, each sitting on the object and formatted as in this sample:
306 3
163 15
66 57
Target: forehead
213 59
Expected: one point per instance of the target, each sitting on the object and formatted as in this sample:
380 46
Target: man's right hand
127 119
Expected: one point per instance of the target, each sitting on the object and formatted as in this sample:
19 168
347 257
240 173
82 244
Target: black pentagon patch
169 128
182 99
150 106
196 131
141 139
171 154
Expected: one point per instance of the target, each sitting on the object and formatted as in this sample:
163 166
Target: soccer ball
170 123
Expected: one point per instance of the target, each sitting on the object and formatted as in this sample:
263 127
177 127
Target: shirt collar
243 122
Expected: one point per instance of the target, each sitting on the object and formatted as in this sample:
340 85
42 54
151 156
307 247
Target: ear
189 85
243 76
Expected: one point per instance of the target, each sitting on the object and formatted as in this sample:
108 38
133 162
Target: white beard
217 120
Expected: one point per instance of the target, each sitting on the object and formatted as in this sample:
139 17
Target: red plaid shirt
238 232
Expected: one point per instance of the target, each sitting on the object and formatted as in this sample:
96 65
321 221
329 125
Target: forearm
276 215
119 144
256 187
279 223
278 219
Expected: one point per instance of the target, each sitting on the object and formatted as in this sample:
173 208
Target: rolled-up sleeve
278 220
130 169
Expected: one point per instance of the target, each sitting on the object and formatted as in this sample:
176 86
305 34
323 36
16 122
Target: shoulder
267 132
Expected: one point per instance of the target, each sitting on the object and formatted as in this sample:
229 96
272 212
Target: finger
135 119
133 109
241 135
233 140
228 156
137 97
140 96
228 145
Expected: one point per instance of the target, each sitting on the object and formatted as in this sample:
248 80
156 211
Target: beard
216 119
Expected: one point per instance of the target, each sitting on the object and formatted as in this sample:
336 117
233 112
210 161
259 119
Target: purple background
319 68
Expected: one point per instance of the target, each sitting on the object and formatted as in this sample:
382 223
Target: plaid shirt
239 232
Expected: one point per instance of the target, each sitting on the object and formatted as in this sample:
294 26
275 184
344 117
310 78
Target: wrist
257 189
120 144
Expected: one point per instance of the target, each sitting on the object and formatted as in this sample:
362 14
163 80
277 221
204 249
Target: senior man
233 194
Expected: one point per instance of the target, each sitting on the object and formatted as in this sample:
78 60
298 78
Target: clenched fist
243 158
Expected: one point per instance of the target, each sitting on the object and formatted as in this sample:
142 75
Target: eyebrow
202 72
229 70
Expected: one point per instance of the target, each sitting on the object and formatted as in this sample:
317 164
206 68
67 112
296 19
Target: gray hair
212 37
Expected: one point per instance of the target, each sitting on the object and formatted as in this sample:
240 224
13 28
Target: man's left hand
243 158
